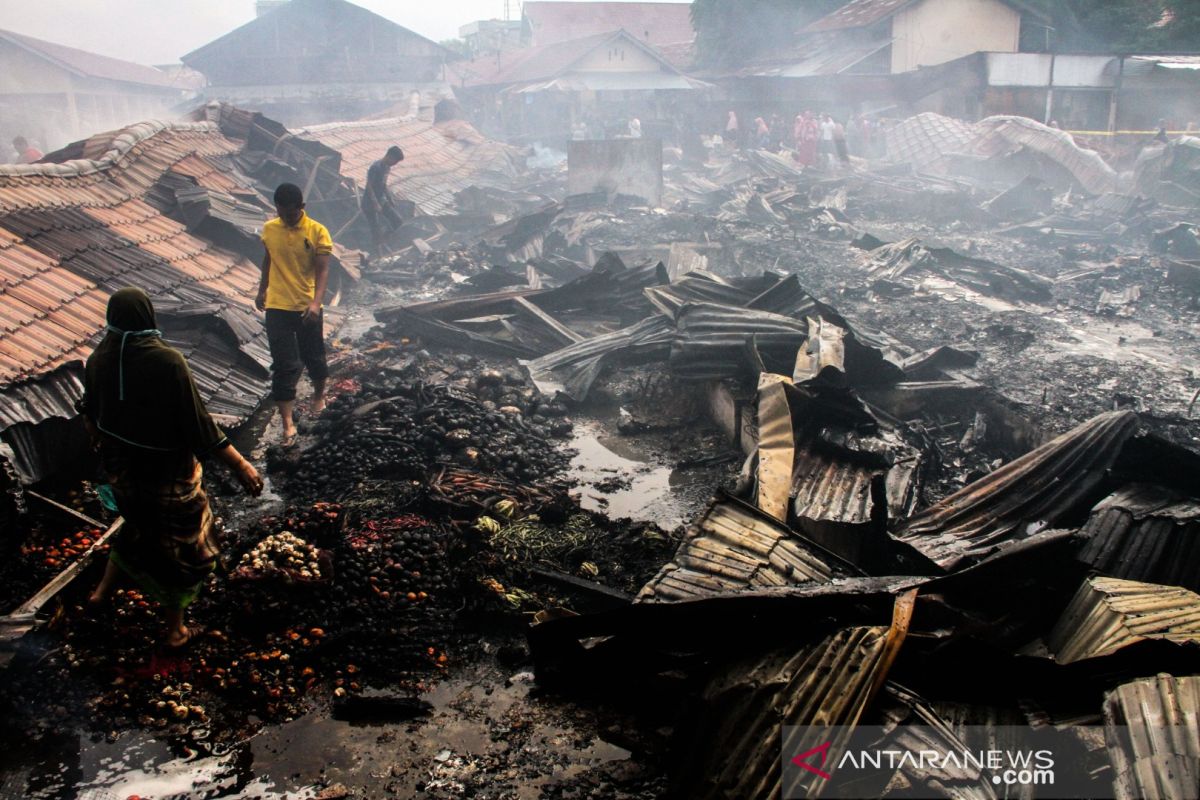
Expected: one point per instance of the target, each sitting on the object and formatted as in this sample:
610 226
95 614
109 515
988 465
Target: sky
160 31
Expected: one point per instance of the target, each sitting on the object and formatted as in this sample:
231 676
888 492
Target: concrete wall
936 31
623 166
619 57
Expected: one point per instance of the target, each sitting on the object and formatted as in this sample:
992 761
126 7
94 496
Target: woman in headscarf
141 405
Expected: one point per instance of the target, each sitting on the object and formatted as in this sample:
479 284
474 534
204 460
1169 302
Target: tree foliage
1145 26
730 32
738 31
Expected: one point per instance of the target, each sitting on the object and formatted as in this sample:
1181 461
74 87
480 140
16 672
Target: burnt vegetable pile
409 431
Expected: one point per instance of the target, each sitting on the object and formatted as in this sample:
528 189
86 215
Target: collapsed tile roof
73 232
439 159
92 220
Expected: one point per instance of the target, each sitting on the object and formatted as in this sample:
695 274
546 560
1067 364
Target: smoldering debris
942 410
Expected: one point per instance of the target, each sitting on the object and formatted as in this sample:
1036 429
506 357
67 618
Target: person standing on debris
26 153
825 148
149 425
635 128
839 143
806 139
377 203
1160 135
762 134
295 274
732 131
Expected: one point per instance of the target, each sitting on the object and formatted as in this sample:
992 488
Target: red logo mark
802 760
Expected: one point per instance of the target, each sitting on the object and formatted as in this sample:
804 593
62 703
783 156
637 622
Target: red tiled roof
656 23
860 13
439 160
91 65
72 232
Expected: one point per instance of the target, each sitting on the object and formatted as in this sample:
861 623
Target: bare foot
178 637
318 405
289 434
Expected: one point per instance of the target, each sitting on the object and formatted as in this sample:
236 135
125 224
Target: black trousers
295 345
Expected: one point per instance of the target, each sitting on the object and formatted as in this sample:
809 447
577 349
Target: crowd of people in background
812 139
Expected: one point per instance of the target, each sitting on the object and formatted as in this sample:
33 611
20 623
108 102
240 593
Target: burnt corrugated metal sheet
1108 614
1152 728
827 683
1036 491
51 395
715 341
574 368
995 135
735 546
1145 533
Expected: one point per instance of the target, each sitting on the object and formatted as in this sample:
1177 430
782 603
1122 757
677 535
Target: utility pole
507 10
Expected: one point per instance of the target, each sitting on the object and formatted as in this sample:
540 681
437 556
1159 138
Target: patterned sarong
168 544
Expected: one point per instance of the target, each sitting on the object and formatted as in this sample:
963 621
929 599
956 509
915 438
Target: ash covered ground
449 501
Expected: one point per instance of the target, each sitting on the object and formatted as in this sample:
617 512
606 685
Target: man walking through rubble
377 201
295 274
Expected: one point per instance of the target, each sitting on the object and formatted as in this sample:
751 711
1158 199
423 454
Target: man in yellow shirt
295 273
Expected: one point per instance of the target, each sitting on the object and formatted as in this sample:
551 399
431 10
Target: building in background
599 81
922 33
492 35
52 94
656 24
313 61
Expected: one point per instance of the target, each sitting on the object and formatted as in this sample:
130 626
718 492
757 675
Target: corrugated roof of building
1108 614
1029 494
654 23
1145 533
93 65
73 232
826 684
439 160
1152 728
735 546
860 13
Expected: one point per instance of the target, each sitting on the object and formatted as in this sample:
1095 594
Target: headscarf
130 313
139 391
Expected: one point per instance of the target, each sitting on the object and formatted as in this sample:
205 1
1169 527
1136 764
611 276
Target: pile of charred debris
959 387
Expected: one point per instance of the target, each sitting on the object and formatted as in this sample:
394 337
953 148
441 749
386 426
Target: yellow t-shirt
292 282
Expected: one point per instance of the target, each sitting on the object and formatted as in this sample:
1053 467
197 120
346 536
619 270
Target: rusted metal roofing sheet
439 160
1145 533
858 14
1032 493
1152 728
735 546
1108 614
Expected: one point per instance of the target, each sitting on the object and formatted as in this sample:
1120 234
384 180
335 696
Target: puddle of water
649 496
